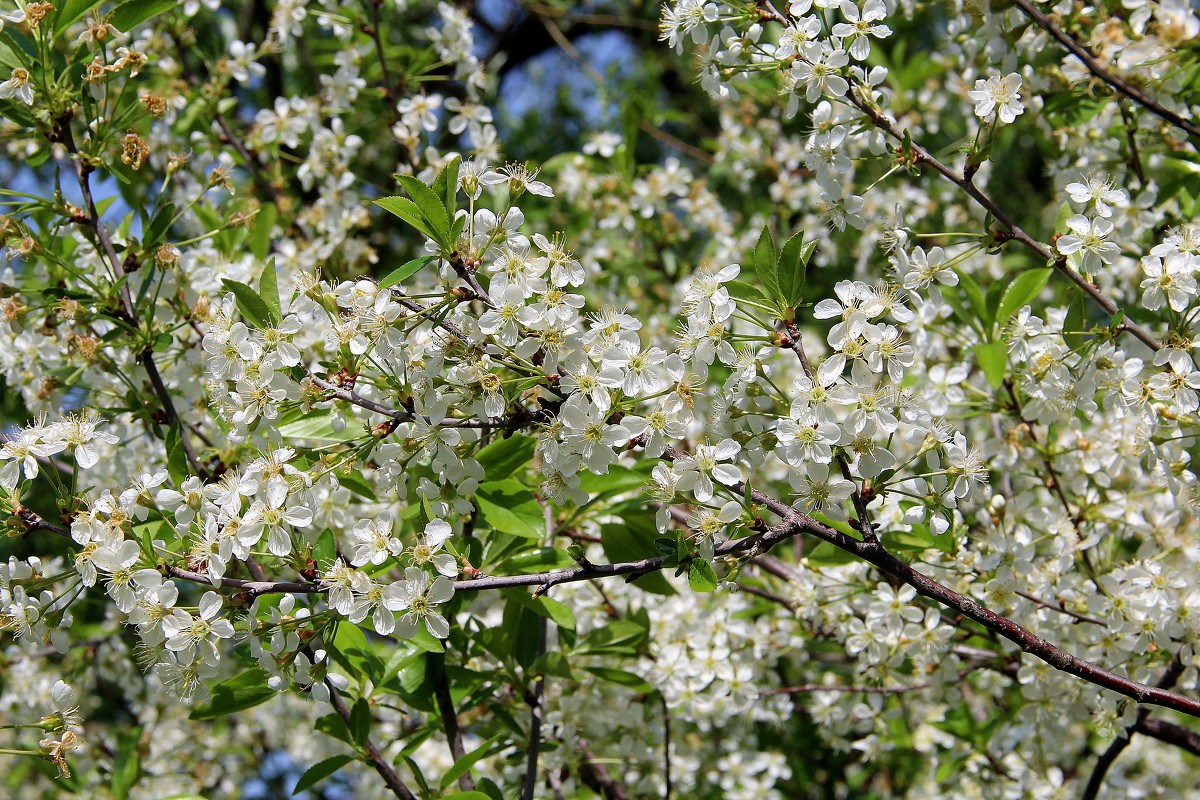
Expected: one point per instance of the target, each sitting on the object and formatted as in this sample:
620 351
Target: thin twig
813 687
1061 608
1115 81
146 357
390 778
1015 232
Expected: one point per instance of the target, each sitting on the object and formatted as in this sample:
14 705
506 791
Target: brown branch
812 687
1169 732
1015 232
390 778
1114 750
1061 608
597 777
1112 79
445 703
83 172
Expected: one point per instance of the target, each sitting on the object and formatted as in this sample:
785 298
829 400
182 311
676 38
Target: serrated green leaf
745 291
792 269
764 263
268 290
469 760
264 224
408 211
983 315
993 360
249 303
503 457
541 559
240 692
360 721
619 676
511 508
554 665
701 575
405 271
430 207
134 12
319 772
177 464
445 186
1021 292
827 555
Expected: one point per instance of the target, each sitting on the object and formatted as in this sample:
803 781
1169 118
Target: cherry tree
414 396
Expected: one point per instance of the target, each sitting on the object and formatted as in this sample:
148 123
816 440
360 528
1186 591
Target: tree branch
390 778
1114 750
445 702
83 172
1015 231
1112 79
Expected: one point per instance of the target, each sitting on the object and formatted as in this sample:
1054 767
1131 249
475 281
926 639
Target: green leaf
319 772
177 465
317 426
554 665
511 508
72 10
993 359
333 725
408 211
745 291
127 765
466 796
445 186
1076 321
430 207
701 575
1021 292
249 303
621 677
979 305
405 271
619 479
360 721
827 555
240 692
503 457
158 228
633 540
268 289
764 263
134 12
541 559
264 224
467 761
559 613
792 269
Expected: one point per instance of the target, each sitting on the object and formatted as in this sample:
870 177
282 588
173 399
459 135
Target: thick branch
1115 81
